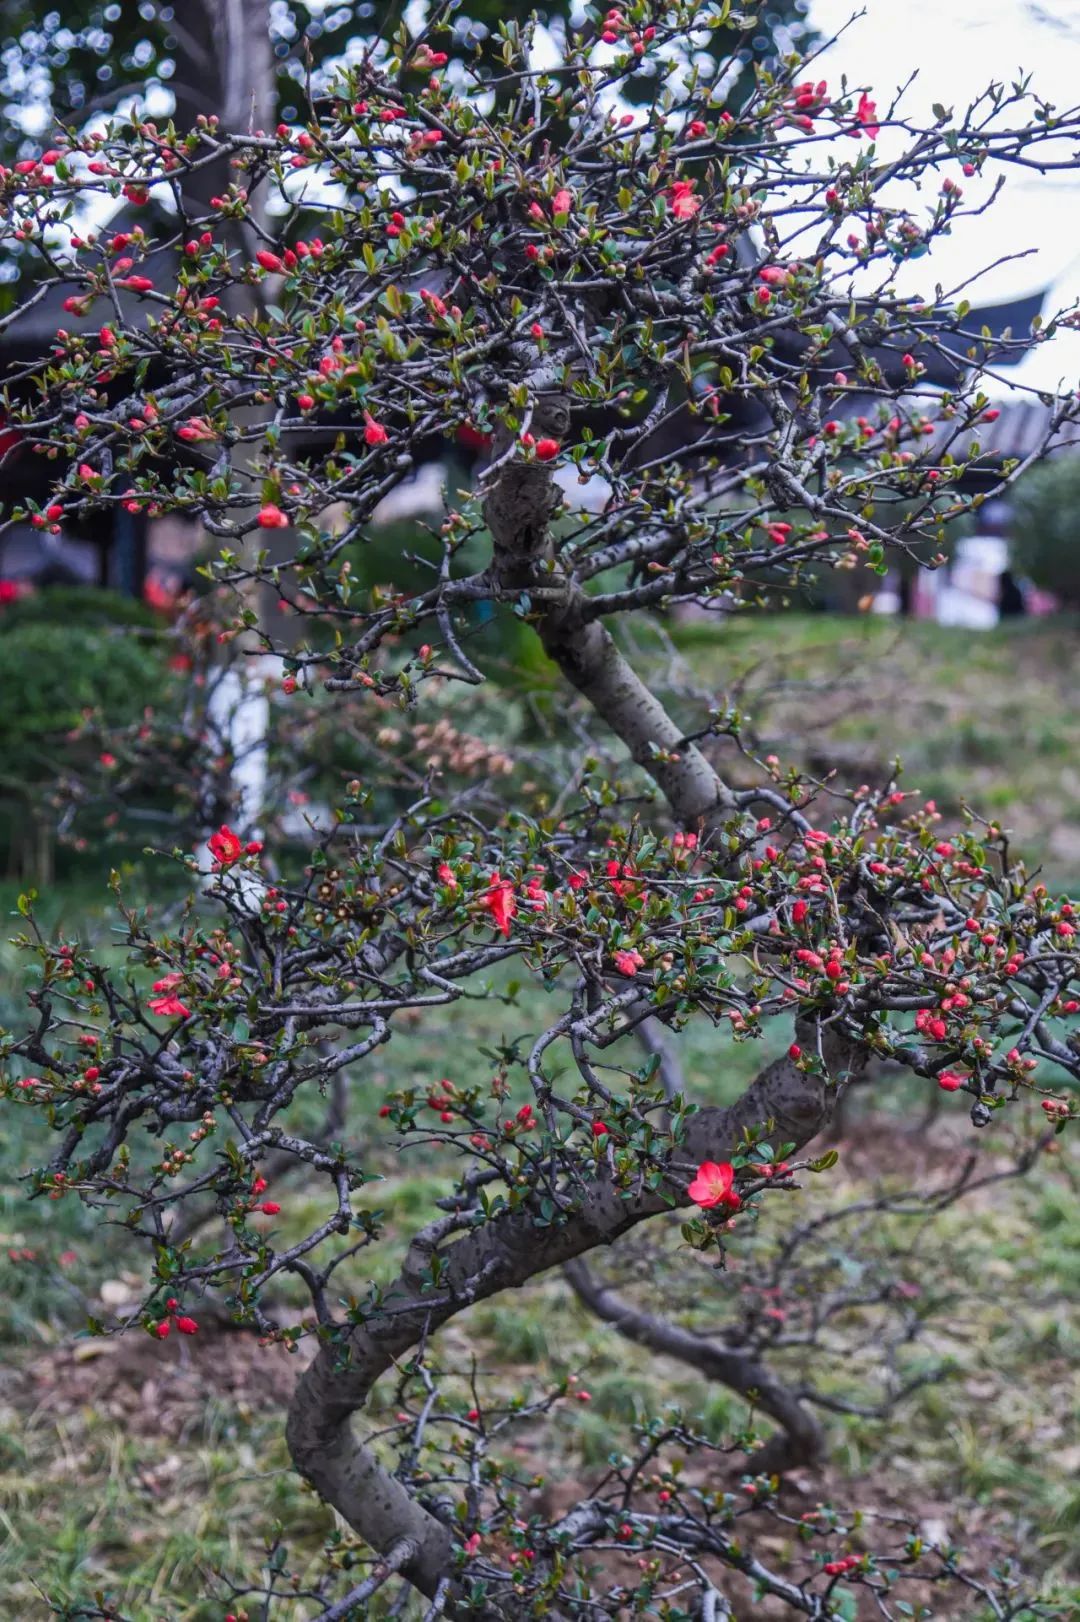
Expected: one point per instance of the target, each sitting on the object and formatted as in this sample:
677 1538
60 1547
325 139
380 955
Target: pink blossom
713 1185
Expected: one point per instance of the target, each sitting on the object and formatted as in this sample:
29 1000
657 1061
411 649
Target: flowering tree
694 318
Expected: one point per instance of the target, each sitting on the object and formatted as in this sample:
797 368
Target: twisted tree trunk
508 1251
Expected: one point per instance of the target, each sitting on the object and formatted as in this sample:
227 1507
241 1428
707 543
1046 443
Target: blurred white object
969 595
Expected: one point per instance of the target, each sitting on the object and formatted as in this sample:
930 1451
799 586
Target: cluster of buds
185 1325
616 29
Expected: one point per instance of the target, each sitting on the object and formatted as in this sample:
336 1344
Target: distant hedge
1045 530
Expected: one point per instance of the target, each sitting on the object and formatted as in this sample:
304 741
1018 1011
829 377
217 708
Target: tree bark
801 1438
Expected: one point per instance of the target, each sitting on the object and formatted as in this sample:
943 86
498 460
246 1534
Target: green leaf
823 1163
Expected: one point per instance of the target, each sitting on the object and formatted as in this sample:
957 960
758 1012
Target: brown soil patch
153 1386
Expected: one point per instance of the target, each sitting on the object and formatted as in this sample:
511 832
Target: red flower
713 1185
951 1080
628 961
268 261
446 876
684 205
546 449
374 432
269 1207
187 1326
619 873
169 1006
866 113
272 517
225 846
500 902
599 1129
161 1330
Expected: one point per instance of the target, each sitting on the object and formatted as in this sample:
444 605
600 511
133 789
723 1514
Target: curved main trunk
508 1251
504 1254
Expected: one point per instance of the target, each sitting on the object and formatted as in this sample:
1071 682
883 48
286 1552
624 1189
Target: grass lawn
987 718
136 1468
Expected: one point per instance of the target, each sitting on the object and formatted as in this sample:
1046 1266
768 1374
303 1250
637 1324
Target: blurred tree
1045 530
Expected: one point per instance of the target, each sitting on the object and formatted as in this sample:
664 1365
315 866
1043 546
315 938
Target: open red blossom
684 205
628 961
169 1006
272 517
225 846
714 1185
500 901
951 1080
866 113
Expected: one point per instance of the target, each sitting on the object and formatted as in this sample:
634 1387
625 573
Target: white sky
957 47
